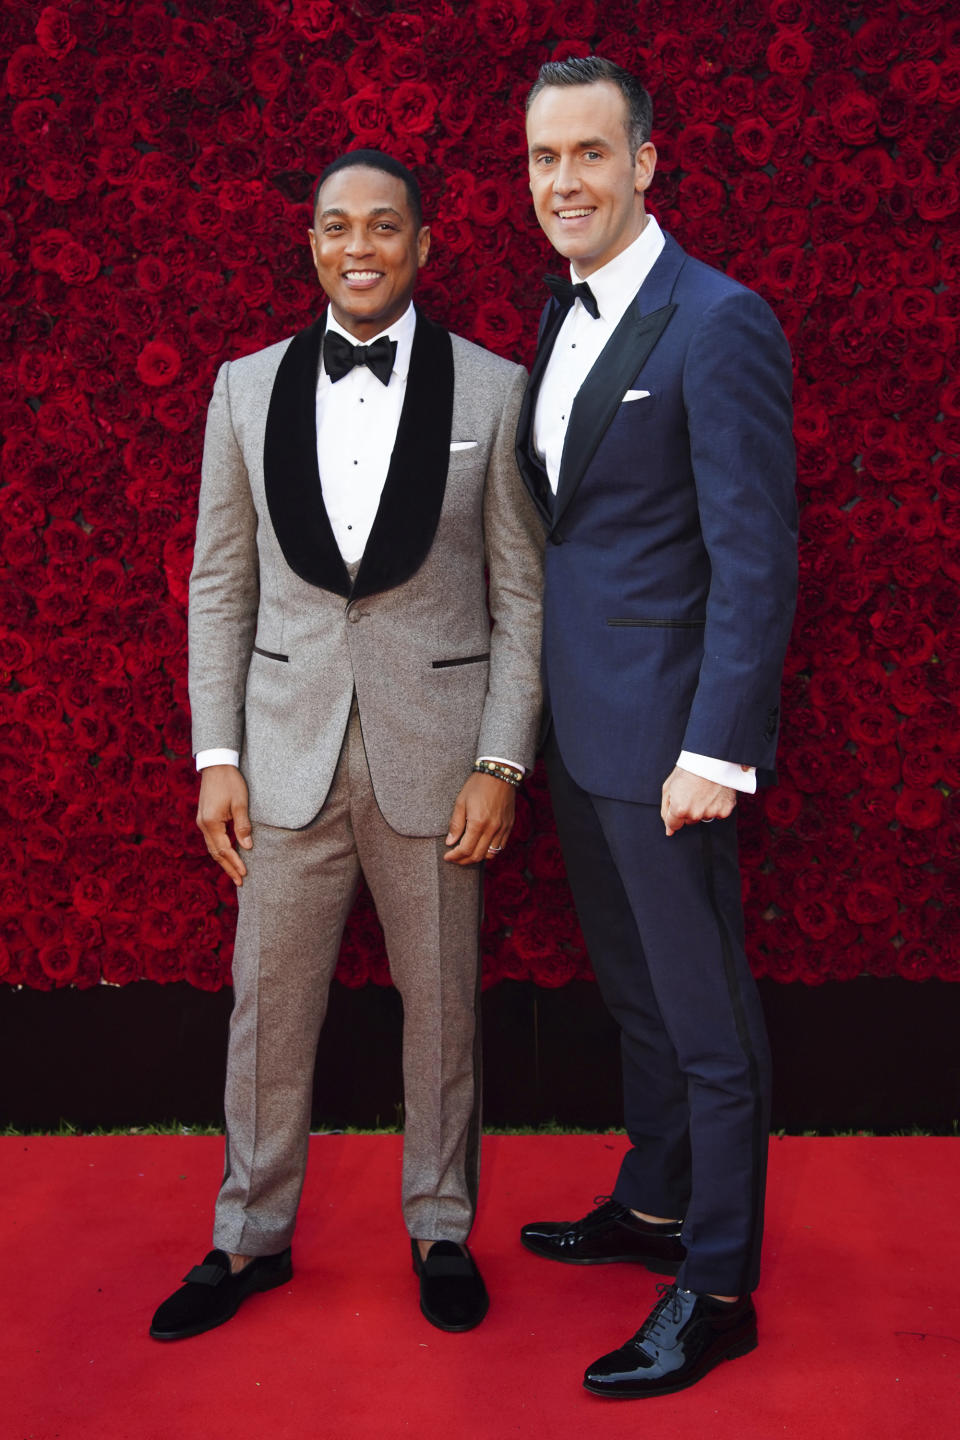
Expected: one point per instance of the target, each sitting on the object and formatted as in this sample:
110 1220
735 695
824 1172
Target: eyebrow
377 210
596 144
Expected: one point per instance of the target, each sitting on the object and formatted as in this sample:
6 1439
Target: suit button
356 615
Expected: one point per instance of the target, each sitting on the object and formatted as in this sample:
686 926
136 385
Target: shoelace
599 1216
666 1312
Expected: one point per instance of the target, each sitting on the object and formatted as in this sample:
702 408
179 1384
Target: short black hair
591 70
376 160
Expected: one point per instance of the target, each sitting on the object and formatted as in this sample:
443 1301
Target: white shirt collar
615 284
401 330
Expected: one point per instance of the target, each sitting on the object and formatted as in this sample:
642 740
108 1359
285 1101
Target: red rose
54 35
916 80
936 199
77 266
59 963
753 140
816 918
877 42
366 115
158 363
120 966
315 19
498 326
701 194
790 53
919 809
917 961
412 107
854 117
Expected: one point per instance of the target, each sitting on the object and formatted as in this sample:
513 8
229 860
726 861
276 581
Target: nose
359 242
565 178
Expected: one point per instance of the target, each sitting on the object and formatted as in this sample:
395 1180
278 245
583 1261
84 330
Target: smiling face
366 248
587 188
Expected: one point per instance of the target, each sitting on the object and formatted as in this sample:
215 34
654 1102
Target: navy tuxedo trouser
663 921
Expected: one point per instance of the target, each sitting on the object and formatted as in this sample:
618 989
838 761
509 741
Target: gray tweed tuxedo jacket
280 637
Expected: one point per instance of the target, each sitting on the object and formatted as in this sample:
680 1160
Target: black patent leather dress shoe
608 1234
452 1293
685 1335
211 1295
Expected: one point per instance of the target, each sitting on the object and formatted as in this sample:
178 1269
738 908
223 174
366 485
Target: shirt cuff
217 757
498 760
721 772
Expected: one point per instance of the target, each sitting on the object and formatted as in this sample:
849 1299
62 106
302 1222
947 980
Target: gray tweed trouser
293 906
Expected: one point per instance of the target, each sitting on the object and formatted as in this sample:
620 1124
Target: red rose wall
158 160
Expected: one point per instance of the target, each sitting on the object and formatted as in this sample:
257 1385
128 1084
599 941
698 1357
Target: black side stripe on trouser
663 624
462 660
270 654
746 1044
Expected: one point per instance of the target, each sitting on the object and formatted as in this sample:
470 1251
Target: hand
223 798
690 800
482 819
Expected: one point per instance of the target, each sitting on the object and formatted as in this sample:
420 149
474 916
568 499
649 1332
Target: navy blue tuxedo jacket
671 568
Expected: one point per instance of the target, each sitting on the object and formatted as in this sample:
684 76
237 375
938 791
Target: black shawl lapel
623 356
413 492
534 475
291 474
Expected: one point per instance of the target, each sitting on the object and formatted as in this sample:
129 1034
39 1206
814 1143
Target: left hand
689 800
482 819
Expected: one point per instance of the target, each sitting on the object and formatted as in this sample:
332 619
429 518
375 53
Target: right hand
224 799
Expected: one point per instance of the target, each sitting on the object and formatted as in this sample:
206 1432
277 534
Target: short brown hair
592 70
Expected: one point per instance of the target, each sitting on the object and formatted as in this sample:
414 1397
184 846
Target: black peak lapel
409 511
534 475
623 356
291 474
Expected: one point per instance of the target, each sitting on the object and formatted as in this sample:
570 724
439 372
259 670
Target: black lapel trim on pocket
461 660
409 512
291 473
663 624
271 655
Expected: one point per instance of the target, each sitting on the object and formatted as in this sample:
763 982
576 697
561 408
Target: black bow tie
566 292
339 356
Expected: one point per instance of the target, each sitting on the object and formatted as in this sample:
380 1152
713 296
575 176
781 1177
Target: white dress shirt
576 350
357 420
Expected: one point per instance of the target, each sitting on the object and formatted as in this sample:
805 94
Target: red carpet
859 1309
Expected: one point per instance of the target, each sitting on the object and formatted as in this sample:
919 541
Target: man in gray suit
354 711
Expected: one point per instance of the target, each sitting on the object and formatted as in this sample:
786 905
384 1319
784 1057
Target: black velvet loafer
211 1295
608 1234
684 1336
452 1293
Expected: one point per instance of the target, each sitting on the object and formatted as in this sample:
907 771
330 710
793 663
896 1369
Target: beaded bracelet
499 772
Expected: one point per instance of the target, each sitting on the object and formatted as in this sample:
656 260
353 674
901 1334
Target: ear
644 166
312 237
423 245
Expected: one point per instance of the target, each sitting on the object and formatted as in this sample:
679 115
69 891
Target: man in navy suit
656 441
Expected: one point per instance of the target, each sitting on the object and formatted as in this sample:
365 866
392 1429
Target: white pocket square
636 395
464 444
